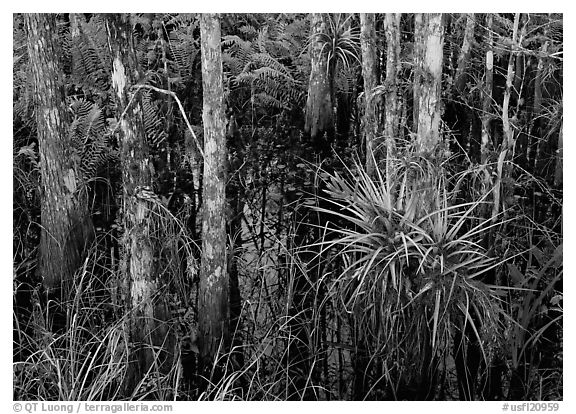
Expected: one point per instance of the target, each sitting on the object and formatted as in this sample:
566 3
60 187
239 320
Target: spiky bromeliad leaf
413 257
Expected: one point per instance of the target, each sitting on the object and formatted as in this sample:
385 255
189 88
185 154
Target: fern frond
153 124
89 135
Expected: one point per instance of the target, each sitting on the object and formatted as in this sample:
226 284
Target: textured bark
139 286
372 127
319 105
213 309
430 83
418 53
66 225
464 56
488 86
393 68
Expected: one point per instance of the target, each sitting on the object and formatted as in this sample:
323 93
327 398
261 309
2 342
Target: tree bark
508 132
430 83
66 226
488 86
139 284
417 60
319 105
393 68
464 56
372 128
213 308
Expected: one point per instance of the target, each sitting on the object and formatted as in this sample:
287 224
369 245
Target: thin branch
164 91
137 89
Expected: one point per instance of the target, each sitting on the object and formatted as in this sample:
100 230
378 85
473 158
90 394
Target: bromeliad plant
415 266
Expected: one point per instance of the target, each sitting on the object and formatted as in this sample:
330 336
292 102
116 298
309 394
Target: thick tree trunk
66 225
464 56
372 128
213 308
418 58
140 282
393 68
430 83
319 105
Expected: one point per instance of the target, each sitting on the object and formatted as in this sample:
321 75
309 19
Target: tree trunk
536 118
213 308
508 132
417 59
319 112
430 83
508 139
372 128
488 86
464 56
66 226
393 68
139 284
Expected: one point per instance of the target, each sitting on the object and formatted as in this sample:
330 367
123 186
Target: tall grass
403 286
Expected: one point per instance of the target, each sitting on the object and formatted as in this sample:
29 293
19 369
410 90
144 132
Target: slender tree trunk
319 112
430 83
372 128
508 132
535 130
508 139
488 86
148 313
213 307
519 62
393 68
66 225
464 56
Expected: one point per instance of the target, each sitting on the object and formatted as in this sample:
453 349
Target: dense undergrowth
401 288
407 284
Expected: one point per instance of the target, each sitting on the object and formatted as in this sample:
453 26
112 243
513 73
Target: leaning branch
137 88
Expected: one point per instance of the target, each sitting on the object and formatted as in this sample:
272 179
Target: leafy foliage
258 63
375 292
